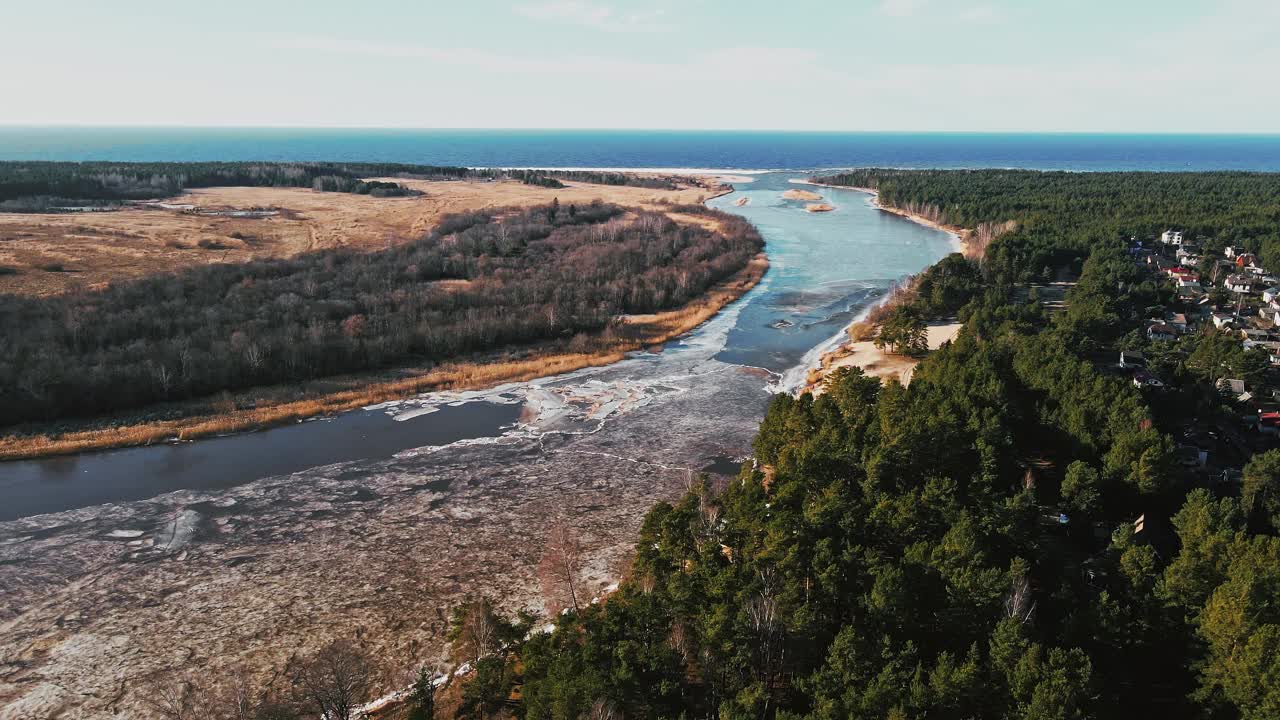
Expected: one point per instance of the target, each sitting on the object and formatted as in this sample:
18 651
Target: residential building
1130 359
1161 331
1240 283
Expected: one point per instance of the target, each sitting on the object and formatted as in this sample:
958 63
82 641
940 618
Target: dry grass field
48 253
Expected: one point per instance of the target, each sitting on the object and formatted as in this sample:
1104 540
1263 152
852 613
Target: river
235 551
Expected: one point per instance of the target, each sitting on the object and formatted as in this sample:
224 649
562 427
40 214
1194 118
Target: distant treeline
597 177
479 282
41 186
1062 216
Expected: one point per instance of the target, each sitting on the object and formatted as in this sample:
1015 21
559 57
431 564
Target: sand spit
801 195
819 207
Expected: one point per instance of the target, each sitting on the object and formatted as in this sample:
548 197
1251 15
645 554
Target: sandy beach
876 362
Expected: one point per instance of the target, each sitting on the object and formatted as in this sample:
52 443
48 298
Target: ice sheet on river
248 575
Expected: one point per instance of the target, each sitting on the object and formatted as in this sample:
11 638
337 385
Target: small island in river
797 194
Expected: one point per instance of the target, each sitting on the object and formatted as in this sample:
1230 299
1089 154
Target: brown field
54 253
264 407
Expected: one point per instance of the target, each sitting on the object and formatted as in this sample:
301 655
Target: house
1171 237
1244 260
1269 295
1229 251
1272 348
1254 334
1160 331
1240 283
1221 320
1132 359
1233 388
1142 378
1178 321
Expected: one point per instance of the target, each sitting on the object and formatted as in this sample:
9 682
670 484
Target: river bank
262 408
963 238
859 350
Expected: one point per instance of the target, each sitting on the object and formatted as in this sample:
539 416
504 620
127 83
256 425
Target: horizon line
408 128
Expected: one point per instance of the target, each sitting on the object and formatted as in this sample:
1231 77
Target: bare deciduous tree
1019 603
560 571
604 709
237 699
335 680
475 631
174 698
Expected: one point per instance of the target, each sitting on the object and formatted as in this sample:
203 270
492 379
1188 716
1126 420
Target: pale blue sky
1082 65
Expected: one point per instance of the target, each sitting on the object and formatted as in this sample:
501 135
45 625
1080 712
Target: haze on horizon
909 65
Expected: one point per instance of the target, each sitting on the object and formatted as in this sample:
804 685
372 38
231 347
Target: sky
896 65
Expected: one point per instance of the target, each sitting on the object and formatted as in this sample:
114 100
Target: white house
1171 237
1142 378
1240 283
1221 320
1160 331
1270 294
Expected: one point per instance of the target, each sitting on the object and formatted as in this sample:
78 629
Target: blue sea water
652 149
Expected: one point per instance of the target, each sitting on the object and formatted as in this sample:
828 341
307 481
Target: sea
740 150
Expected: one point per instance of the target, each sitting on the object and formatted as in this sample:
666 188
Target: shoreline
863 354
960 236
361 390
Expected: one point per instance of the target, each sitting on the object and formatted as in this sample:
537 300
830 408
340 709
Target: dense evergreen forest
964 547
42 186
479 282
1064 215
